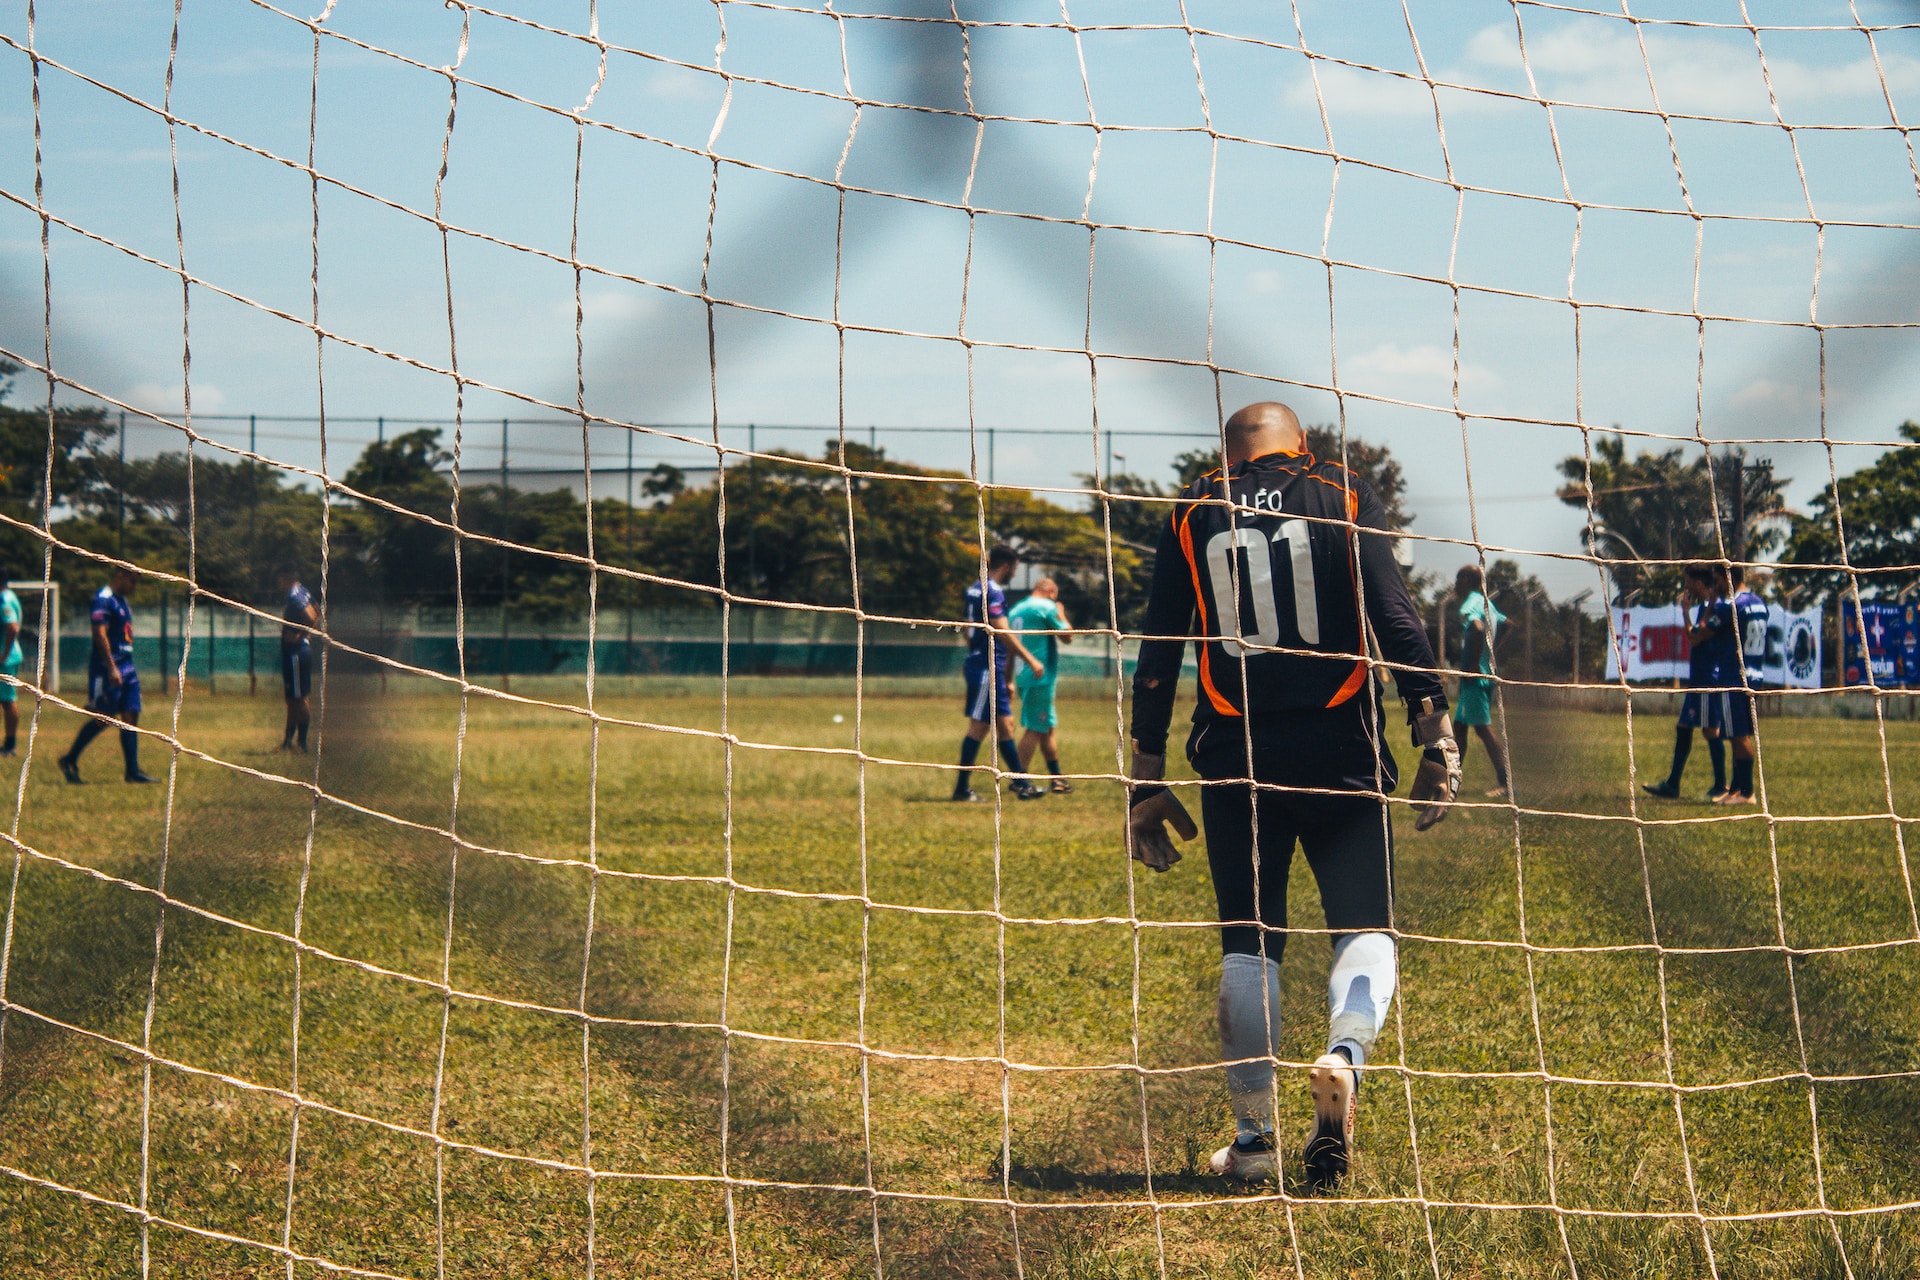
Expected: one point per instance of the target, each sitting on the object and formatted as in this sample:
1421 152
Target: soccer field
1535 1077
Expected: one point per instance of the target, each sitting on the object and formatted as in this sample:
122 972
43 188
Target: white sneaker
1330 1141
1248 1160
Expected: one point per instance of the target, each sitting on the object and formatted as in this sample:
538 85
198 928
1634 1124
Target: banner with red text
1651 643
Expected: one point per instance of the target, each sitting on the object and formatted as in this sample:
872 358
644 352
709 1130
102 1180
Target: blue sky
1341 142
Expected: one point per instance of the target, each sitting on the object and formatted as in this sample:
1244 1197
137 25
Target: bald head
1263 428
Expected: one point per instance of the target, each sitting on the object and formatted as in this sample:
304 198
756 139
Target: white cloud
164 398
1778 398
611 306
1696 73
678 84
1349 91
1392 363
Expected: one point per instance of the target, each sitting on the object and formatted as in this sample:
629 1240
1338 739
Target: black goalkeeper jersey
1274 574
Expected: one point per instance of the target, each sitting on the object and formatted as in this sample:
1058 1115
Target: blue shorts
111 699
987 699
296 671
10 667
1726 712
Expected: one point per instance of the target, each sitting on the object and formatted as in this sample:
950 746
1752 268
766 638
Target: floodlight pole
506 581
1579 624
120 495
253 504
628 592
380 577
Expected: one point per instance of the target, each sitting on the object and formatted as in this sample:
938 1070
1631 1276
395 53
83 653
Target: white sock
1249 1028
1359 993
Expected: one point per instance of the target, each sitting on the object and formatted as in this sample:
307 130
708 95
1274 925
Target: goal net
597 416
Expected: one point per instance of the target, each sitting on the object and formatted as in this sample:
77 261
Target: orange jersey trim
1220 704
1353 499
1352 686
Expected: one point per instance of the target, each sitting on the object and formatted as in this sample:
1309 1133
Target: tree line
860 527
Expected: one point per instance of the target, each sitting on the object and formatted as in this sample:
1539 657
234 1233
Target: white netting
749 206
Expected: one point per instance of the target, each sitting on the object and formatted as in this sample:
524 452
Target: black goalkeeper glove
1438 780
1150 806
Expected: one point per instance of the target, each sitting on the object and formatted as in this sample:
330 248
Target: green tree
787 535
1652 513
228 525
24 478
1878 507
1073 547
404 555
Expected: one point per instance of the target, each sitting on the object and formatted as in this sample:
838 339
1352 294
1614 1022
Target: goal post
699 970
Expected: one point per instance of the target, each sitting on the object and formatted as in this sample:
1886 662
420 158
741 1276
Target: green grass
1105 1168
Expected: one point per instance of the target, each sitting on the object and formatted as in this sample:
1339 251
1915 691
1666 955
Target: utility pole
1528 601
506 580
253 504
1579 625
380 576
629 588
120 497
1737 544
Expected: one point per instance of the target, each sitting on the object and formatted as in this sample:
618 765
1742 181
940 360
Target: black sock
130 748
1682 748
8 745
1743 776
302 731
88 732
1053 765
969 752
1010 756
1717 749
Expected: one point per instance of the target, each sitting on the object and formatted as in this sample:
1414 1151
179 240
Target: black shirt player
1274 575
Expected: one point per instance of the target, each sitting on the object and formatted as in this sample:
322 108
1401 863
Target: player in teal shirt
1479 621
10 658
1041 612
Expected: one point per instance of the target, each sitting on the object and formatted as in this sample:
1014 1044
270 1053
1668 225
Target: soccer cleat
69 769
1500 793
1714 794
1735 797
1026 790
968 797
1252 1159
1329 1144
6 751
1665 790
1059 786
139 776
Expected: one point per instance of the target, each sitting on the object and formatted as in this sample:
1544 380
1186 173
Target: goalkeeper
1275 572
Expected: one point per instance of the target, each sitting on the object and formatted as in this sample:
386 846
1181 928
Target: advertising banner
1892 648
1653 644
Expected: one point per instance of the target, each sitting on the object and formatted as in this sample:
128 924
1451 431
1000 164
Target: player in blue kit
113 686
296 655
1750 618
1717 702
991 644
